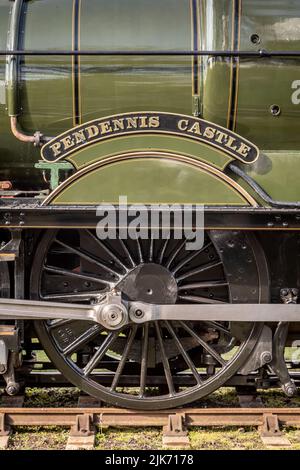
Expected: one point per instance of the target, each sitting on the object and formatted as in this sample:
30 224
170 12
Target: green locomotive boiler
115 110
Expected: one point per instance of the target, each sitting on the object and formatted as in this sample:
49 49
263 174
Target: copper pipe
35 139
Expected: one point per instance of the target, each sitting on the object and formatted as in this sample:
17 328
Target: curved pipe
34 139
12 79
258 189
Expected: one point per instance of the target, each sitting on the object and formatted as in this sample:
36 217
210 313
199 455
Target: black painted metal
24 213
235 62
76 28
253 54
163 338
259 190
52 379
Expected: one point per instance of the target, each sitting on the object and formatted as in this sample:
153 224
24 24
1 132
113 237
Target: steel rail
242 54
83 422
125 417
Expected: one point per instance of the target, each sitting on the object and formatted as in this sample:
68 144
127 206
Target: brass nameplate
150 123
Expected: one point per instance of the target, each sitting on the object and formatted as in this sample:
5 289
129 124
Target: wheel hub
150 283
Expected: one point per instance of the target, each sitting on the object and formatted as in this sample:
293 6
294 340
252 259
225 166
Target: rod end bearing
113 316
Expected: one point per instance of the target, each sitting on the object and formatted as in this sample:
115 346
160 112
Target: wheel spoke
107 250
165 361
139 247
200 300
175 253
190 258
144 360
203 285
127 252
219 327
124 358
82 254
86 277
151 248
82 339
206 346
184 354
199 270
163 250
94 361
72 296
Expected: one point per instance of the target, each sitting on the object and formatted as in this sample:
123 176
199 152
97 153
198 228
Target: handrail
262 53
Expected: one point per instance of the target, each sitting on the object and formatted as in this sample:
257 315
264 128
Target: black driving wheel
158 364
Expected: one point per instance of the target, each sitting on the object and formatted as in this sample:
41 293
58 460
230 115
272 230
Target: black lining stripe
76 63
200 58
235 64
195 21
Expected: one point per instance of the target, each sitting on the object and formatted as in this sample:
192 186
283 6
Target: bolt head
266 357
139 313
12 389
290 389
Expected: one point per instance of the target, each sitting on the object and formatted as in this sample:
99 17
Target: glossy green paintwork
277 23
162 143
16 158
216 34
261 83
149 181
114 85
278 174
47 82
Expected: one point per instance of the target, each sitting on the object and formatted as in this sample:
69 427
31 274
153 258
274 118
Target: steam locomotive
111 108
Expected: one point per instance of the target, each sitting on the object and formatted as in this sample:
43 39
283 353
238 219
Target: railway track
84 421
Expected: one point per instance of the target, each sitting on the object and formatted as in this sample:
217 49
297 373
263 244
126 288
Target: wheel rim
188 360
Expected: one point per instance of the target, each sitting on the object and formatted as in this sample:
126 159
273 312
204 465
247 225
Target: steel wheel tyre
161 364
